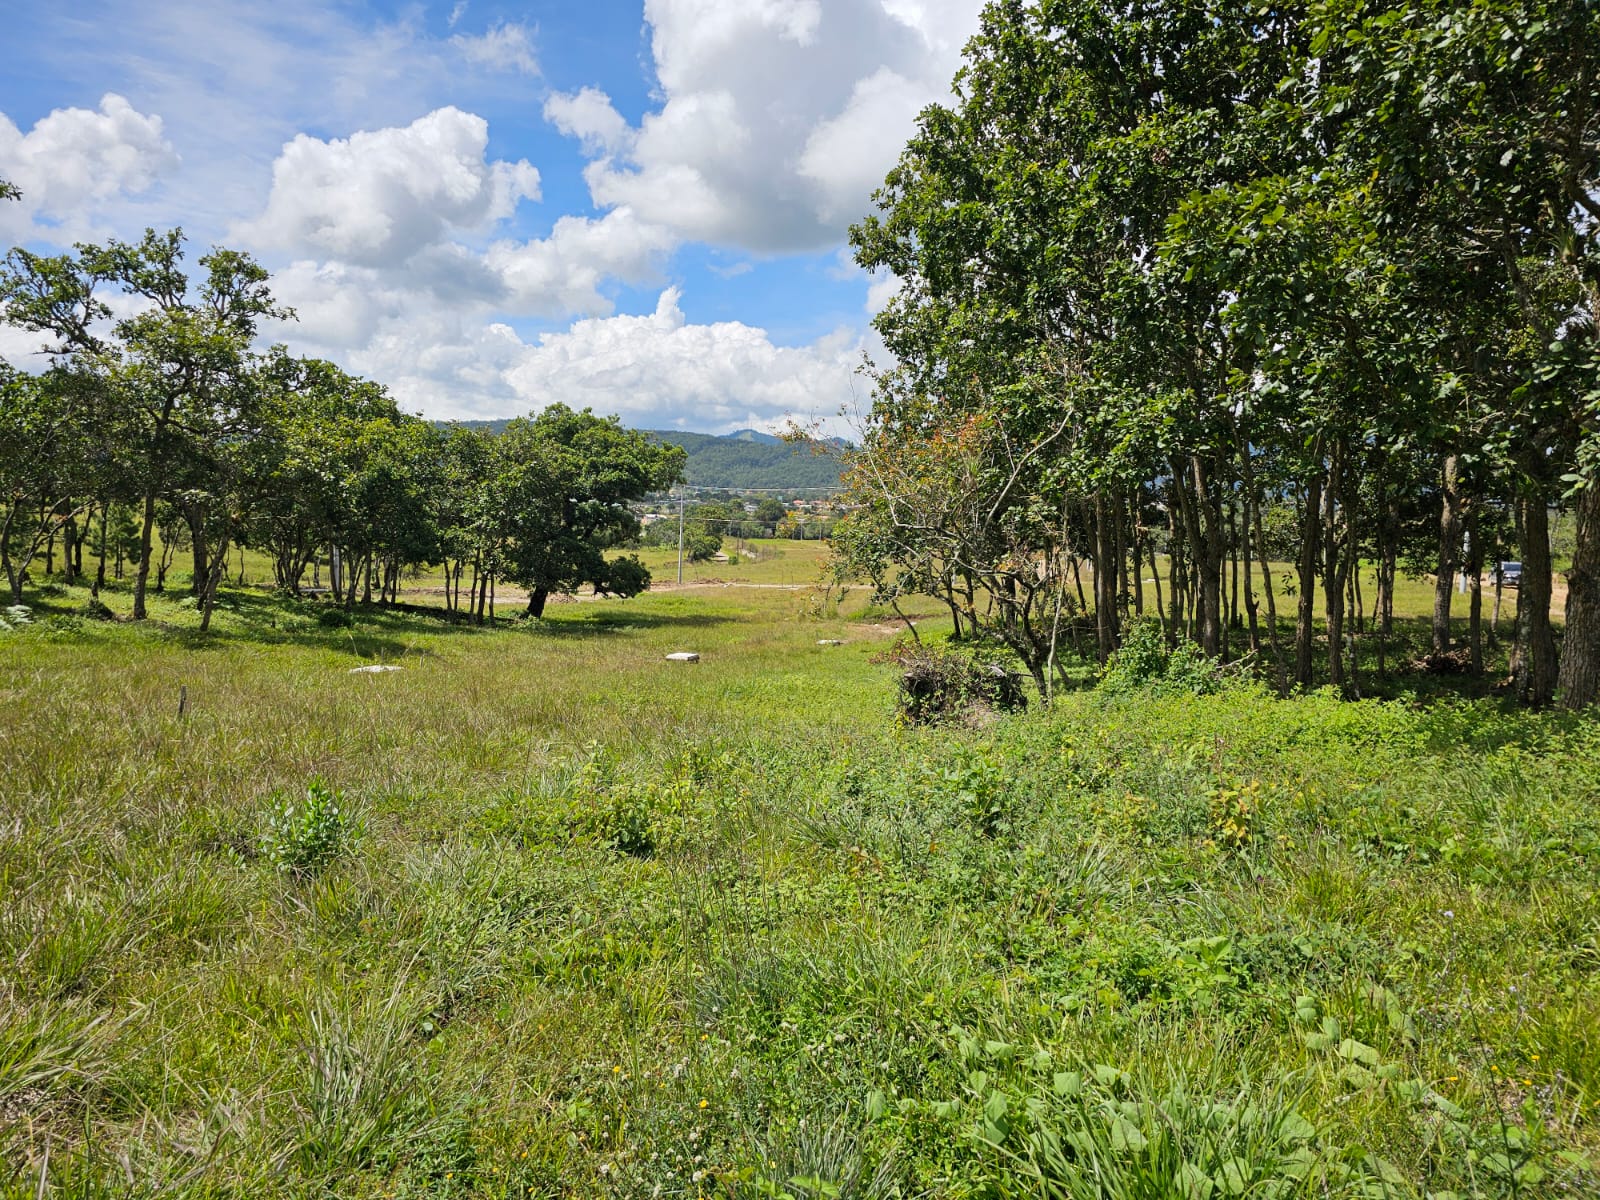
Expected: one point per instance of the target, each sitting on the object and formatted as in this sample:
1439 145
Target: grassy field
560 917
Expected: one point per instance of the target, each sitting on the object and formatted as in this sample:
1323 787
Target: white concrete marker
683 656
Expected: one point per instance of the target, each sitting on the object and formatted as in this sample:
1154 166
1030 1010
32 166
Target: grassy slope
837 942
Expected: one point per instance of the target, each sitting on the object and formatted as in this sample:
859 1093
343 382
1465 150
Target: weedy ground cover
543 914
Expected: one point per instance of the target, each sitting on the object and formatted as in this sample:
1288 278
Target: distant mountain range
745 459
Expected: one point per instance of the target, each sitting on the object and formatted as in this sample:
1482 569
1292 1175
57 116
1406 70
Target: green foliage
615 926
1090 1131
1144 663
305 839
701 545
564 482
638 813
739 461
1204 275
736 461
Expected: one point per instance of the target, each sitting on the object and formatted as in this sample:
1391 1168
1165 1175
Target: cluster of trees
159 406
1177 274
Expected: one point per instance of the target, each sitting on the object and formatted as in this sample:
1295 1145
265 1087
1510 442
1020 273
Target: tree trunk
1474 568
1208 561
1124 588
1138 558
1105 581
1336 561
71 554
1580 646
1155 579
1535 670
199 577
142 580
1272 604
100 567
208 586
1233 565
1305 629
13 572
1449 541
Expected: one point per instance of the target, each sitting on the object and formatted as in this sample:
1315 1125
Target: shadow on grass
257 617
567 624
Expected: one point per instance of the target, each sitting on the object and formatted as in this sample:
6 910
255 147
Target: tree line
157 412
1236 284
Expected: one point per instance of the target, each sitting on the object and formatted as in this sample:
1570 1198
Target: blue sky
493 206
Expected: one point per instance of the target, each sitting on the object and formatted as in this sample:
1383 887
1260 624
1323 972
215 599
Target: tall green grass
601 924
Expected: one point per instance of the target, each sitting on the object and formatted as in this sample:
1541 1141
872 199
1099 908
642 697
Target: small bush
335 618
1143 663
302 840
14 617
1236 816
60 627
96 609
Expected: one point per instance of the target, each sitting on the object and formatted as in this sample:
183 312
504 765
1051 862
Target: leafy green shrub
60 627
96 609
1144 663
14 617
303 840
1236 816
335 618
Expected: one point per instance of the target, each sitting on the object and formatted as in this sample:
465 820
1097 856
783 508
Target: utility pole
680 537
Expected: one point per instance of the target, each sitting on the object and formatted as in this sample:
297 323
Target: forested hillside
747 459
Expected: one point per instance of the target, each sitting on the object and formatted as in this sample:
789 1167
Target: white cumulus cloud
655 369
74 160
587 114
777 117
378 198
563 273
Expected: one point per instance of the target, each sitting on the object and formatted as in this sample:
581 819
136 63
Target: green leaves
562 484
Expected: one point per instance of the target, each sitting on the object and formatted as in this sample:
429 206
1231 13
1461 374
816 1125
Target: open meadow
543 914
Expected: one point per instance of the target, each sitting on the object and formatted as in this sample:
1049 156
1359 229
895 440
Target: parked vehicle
1510 574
